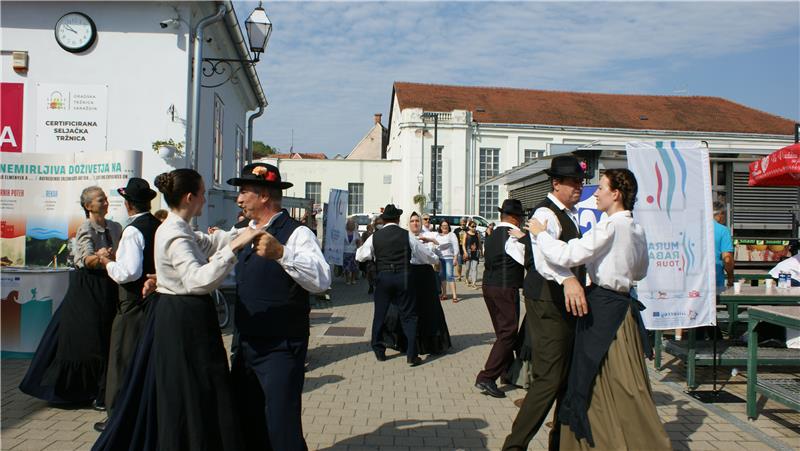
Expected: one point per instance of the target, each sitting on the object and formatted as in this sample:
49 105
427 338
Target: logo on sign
56 101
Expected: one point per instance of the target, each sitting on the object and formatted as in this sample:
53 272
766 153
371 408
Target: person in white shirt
180 367
272 312
608 403
449 250
135 259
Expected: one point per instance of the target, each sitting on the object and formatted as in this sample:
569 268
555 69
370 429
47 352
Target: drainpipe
197 68
250 133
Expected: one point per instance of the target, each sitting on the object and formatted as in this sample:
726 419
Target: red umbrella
780 168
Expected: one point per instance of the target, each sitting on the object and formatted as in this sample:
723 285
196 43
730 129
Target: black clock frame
82 48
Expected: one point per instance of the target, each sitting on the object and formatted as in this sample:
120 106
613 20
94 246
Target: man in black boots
502 279
392 248
553 297
134 261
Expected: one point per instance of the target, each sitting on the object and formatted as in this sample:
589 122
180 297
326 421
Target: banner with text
11 117
674 207
335 221
40 200
71 118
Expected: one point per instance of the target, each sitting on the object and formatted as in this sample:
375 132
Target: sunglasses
426 219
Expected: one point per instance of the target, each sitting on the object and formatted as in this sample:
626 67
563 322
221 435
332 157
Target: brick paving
353 402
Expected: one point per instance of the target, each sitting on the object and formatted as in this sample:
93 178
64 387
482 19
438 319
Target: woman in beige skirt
608 404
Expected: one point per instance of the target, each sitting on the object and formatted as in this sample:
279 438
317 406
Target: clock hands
70 29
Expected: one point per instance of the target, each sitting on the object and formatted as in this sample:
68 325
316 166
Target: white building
138 66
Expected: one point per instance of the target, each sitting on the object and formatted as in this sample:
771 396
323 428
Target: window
436 168
240 152
217 151
314 192
355 198
489 196
533 154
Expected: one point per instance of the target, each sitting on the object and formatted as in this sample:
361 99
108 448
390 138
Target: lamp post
420 179
435 155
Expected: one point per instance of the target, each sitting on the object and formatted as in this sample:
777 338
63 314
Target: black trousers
552 332
268 375
503 306
395 288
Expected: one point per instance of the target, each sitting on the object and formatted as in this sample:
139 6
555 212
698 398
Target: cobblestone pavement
353 402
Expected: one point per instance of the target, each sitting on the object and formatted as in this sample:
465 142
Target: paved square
353 402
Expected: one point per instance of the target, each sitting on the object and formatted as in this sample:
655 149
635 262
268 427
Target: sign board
335 220
11 116
674 207
71 118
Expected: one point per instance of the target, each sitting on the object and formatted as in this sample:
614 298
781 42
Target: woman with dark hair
608 403
449 251
178 392
433 336
471 250
70 363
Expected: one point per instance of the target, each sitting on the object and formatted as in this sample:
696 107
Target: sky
330 66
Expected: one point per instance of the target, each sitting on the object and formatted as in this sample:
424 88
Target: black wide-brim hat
512 207
391 212
137 190
566 166
262 174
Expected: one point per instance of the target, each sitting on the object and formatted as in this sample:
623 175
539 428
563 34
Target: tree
261 150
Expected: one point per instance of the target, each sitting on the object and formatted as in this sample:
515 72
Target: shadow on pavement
688 419
461 433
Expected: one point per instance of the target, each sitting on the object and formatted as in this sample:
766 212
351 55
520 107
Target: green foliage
420 200
170 142
261 150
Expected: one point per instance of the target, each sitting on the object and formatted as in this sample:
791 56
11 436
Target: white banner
40 200
71 118
335 219
674 207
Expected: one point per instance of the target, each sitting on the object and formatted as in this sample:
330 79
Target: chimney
378 118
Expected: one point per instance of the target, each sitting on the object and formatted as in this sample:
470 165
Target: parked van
481 223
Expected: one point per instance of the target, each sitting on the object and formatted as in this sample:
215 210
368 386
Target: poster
588 214
674 207
755 250
11 116
335 219
71 118
40 201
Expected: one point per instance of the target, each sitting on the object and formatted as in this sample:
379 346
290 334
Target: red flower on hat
584 166
271 177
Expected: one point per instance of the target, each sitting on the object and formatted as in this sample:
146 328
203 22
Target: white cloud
331 65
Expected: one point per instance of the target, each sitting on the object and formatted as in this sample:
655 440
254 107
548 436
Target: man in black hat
392 248
271 314
502 279
134 261
553 296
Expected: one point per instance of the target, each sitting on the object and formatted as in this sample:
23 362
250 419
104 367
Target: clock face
75 32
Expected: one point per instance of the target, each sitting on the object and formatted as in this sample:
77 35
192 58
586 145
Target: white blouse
421 254
189 262
448 245
614 252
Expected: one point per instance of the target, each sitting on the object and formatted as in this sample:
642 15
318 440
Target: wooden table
785 391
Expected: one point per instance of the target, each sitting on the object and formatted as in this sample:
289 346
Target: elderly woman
70 364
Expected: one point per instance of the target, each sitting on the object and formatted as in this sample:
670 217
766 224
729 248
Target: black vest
536 286
500 270
147 225
392 249
270 303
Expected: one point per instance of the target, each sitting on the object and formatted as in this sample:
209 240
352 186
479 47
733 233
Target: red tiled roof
300 156
528 106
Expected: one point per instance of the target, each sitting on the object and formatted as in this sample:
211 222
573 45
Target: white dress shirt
420 253
548 270
425 259
614 252
130 255
189 262
302 259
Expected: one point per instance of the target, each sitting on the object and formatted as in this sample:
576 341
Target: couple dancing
588 343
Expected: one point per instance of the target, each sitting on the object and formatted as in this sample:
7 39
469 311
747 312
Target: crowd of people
137 333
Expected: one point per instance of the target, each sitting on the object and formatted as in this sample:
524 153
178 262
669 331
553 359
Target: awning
780 168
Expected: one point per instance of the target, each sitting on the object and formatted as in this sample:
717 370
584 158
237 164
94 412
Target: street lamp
420 179
435 154
259 28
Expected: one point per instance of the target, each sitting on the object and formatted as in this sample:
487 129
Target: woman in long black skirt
433 337
70 363
177 394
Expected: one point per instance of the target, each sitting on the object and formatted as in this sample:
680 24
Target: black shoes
371 289
380 355
490 388
414 361
100 426
100 407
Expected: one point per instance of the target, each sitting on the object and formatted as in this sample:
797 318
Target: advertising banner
40 201
588 214
71 118
674 207
11 109
335 220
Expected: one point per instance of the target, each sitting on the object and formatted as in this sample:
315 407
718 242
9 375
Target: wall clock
75 32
